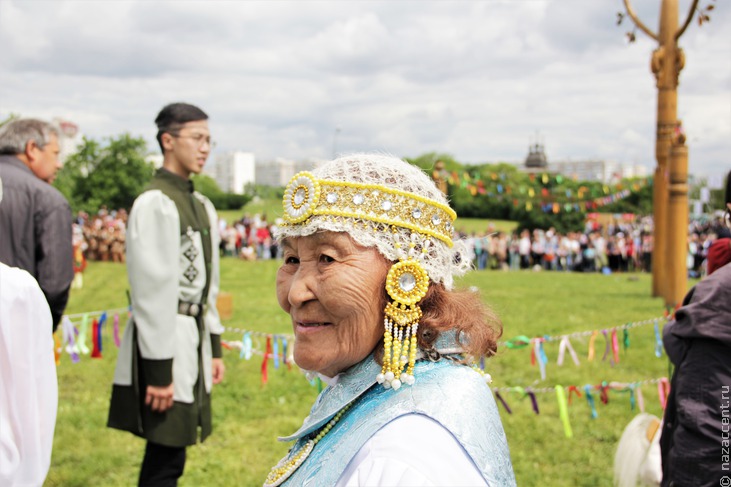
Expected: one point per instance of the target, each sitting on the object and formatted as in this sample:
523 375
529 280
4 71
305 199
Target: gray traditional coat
172 257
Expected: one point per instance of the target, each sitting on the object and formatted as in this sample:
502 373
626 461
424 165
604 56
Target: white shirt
28 386
410 451
413 450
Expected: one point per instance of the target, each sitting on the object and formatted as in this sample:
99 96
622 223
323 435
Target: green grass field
248 416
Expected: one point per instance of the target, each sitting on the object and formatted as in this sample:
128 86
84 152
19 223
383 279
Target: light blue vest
453 395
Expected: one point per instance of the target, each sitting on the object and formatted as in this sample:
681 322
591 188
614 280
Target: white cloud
477 79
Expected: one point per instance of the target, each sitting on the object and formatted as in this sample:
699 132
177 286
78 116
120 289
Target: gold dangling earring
407 283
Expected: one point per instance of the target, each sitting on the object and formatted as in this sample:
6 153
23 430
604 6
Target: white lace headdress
380 201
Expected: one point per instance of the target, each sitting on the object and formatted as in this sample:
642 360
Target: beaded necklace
285 468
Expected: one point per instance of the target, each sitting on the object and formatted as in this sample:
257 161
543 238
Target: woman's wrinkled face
333 290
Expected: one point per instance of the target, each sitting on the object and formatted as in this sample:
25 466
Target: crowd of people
621 247
250 238
101 237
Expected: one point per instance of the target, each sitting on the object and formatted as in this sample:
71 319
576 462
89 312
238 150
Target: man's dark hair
172 117
728 188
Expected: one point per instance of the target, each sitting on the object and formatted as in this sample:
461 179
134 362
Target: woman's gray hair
16 134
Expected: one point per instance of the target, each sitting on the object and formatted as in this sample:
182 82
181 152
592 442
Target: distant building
275 173
70 138
580 170
232 171
536 158
279 171
598 170
586 170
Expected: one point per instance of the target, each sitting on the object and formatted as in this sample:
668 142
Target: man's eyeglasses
199 139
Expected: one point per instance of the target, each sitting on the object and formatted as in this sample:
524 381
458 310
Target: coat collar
181 183
353 383
15 162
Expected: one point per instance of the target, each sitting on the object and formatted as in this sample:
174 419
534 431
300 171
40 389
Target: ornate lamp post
670 193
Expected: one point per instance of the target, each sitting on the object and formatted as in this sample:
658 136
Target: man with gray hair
35 218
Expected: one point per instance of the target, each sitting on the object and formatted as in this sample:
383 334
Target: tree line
112 172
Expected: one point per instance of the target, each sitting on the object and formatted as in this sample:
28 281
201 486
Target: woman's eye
291 260
326 258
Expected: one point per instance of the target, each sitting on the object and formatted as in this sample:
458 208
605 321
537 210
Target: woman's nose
301 289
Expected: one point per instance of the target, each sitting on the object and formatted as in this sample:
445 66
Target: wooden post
659 216
678 215
666 71
670 227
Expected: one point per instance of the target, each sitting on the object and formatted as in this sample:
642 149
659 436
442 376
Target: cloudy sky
476 79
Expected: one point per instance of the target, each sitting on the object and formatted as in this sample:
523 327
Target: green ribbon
563 411
518 342
81 339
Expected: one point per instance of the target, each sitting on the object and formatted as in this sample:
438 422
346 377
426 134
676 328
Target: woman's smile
305 327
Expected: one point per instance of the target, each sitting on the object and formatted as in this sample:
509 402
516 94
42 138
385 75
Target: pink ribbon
663 389
117 342
615 346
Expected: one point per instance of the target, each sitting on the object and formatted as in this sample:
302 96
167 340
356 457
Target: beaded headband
306 196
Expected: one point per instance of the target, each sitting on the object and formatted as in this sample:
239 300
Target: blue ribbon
590 400
632 402
246 346
658 341
102 320
542 359
276 352
543 352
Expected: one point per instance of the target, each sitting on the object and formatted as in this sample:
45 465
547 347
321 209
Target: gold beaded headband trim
306 196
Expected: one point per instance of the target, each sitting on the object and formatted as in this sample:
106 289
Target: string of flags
611 344
278 347
592 393
73 339
549 198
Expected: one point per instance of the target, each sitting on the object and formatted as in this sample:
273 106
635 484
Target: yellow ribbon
591 346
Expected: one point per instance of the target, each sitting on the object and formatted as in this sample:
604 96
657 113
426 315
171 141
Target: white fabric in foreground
413 450
28 386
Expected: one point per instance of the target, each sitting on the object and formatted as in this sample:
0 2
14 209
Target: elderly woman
367 279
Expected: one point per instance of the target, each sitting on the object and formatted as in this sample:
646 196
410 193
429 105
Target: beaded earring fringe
407 283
